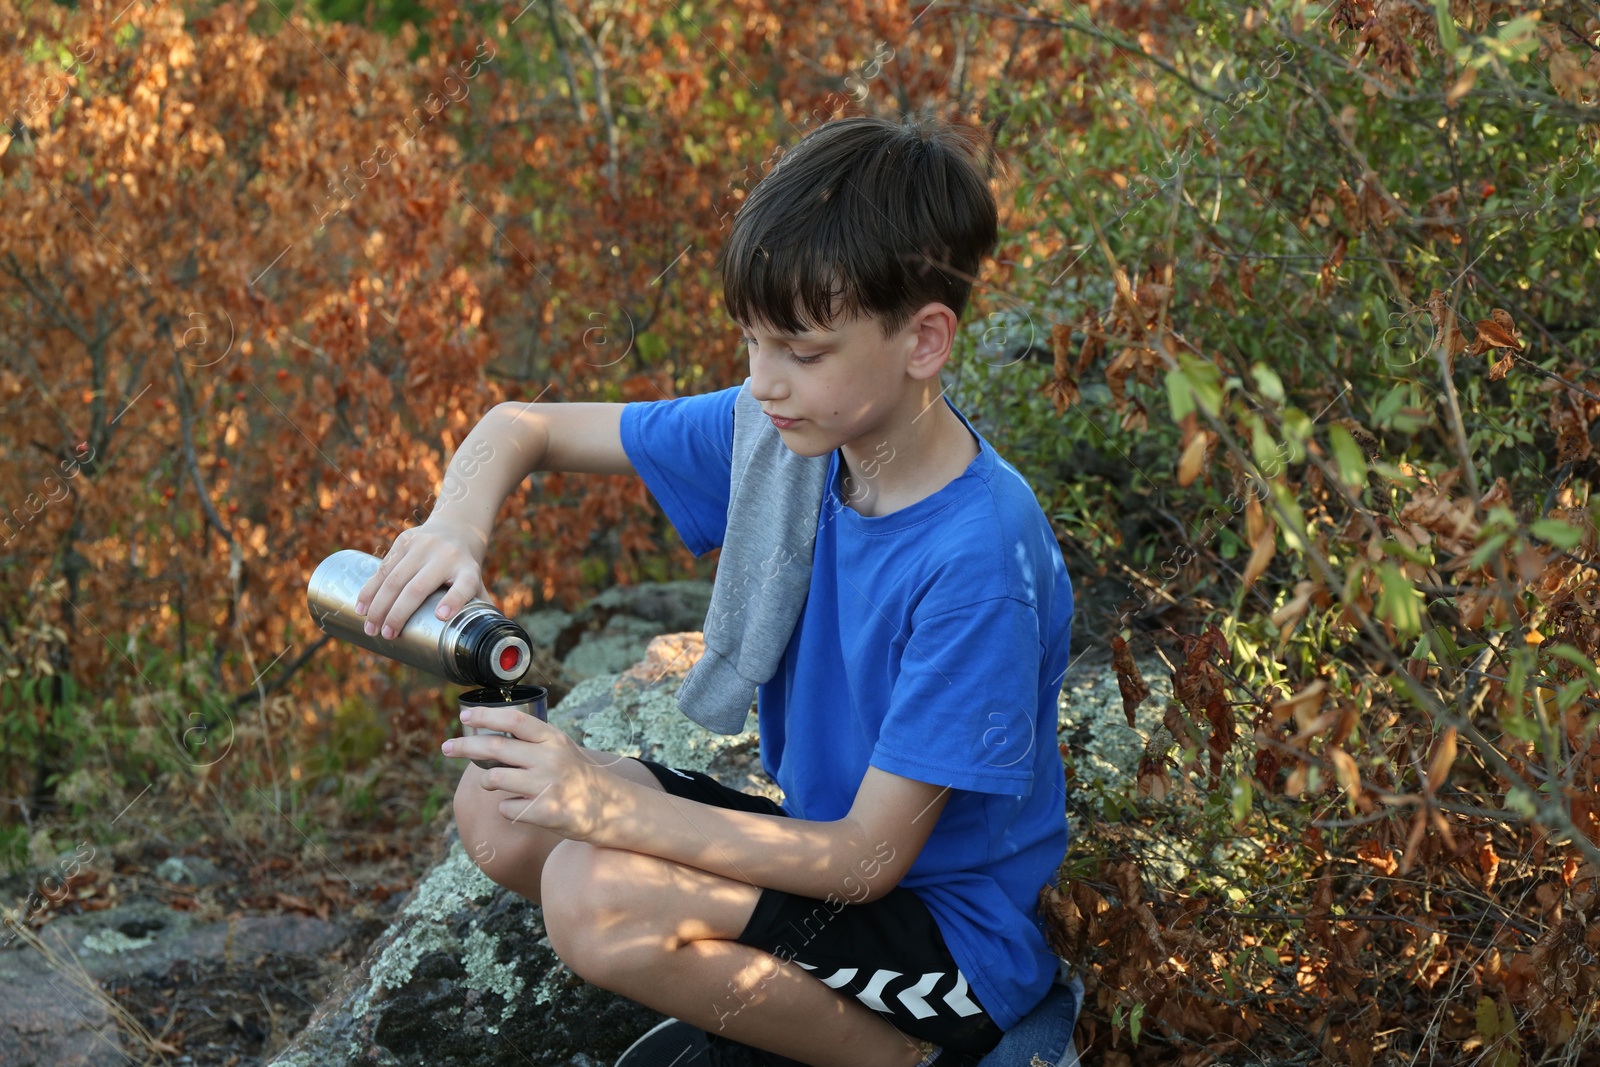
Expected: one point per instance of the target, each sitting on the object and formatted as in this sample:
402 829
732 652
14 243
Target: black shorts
887 953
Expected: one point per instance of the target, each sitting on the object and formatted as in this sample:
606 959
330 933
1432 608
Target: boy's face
842 385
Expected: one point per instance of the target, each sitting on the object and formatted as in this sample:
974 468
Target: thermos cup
476 646
529 699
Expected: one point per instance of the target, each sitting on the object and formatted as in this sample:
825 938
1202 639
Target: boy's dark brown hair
864 216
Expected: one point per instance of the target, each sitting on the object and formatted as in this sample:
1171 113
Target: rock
546 670
1105 753
545 625
1095 729
611 649
464 977
145 937
635 713
187 870
669 657
48 1019
671 606
609 632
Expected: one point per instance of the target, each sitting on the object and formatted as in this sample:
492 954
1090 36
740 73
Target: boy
885 914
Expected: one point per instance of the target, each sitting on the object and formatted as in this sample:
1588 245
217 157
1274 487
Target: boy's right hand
421 560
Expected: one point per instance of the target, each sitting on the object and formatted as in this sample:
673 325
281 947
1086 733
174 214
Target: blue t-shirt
933 644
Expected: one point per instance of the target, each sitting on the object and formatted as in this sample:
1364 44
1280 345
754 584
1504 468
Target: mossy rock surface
465 977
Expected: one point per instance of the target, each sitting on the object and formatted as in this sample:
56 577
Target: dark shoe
675 1043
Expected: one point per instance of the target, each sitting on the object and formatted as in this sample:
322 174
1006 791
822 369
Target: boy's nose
765 386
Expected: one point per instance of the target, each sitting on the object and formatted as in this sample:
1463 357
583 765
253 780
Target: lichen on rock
453 883
636 712
648 723
114 941
479 955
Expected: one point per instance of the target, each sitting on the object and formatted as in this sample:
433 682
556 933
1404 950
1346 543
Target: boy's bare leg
511 853
662 933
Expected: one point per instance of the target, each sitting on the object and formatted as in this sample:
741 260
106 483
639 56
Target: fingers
372 585
467 585
505 760
423 583
418 564
518 724
383 589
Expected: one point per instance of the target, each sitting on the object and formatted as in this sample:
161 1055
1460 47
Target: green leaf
1270 457
1296 429
1352 461
1179 395
1444 646
1522 801
1268 382
1561 534
1241 799
1447 24
1507 1056
1204 380
1392 402
1488 1018
1578 659
1399 602
1571 693
1489 547
1135 1017
1508 1022
1293 520
1395 548
652 346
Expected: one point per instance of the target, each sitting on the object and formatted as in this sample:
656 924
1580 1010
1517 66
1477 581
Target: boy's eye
804 360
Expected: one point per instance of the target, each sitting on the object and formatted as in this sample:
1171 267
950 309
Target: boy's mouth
782 424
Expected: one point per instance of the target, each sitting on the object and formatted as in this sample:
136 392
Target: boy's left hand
551 784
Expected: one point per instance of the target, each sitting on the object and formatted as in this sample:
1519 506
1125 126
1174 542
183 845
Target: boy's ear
933 332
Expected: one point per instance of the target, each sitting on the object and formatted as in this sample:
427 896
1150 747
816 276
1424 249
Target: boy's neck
924 447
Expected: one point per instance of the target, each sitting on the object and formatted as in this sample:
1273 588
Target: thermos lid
508 657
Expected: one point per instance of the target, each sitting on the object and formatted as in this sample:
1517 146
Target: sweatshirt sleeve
683 449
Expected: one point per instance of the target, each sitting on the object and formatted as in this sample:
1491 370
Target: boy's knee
478 821
591 911
567 888
468 804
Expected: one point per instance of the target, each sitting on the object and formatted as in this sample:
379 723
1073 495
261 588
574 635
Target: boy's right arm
509 443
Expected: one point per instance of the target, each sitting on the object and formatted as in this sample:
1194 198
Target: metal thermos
476 646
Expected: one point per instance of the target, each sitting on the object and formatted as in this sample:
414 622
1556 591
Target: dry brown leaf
1496 334
1254 519
1304 705
1193 458
1419 826
1260 555
1129 681
1295 608
1344 768
1444 754
1247 278
1460 86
